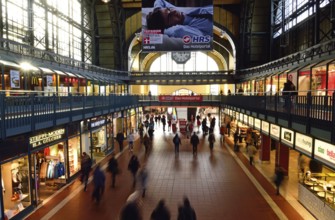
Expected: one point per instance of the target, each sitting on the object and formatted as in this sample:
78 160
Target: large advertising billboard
172 27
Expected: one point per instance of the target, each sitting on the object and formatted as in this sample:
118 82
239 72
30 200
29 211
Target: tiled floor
220 185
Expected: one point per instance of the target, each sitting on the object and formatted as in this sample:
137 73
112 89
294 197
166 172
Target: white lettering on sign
46 137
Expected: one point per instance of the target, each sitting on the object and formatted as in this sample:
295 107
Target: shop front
15 182
48 164
94 138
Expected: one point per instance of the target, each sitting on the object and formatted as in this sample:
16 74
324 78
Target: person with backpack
177 142
195 141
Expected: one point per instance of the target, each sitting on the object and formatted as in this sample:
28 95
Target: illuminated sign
265 127
47 137
98 123
257 124
274 131
287 137
325 152
304 144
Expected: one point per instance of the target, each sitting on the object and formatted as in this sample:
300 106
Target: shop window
74 155
331 79
50 170
15 186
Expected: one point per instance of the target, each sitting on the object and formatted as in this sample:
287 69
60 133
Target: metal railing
25 112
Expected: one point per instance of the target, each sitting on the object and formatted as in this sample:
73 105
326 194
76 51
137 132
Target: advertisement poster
187 26
14 79
49 81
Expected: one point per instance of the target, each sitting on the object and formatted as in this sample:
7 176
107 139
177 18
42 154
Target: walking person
130 141
279 172
86 164
187 212
222 132
251 150
146 143
177 142
161 212
133 167
195 141
211 140
143 177
120 139
113 168
99 183
163 122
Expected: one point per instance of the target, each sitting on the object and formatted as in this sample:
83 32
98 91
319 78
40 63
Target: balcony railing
26 112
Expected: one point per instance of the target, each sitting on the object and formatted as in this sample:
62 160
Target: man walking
194 141
120 139
177 142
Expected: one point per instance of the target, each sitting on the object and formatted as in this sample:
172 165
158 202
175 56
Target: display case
317 194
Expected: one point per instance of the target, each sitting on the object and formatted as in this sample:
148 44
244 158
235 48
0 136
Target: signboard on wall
180 98
245 119
324 152
304 144
287 137
274 131
168 27
251 121
257 124
265 127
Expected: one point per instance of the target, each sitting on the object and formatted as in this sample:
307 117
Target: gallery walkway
221 185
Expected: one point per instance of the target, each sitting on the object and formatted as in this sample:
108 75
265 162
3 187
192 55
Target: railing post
55 101
333 119
308 112
32 119
71 106
3 115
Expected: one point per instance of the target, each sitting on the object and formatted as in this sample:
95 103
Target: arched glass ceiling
199 61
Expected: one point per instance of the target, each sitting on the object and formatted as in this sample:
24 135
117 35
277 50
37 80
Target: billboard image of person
166 27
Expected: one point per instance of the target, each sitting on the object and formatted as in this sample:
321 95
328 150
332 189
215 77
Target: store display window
74 155
331 79
15 186
49 170
99 146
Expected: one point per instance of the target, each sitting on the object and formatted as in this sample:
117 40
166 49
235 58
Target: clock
181 57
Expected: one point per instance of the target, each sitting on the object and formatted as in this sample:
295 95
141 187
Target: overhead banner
168 27
14 79
180 98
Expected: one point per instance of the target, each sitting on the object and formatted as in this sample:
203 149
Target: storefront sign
275 131
98 123
47 137
287 137
303 143
324 152
265 127
251 121
257 124
180 98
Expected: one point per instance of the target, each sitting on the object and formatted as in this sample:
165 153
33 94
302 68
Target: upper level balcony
31 111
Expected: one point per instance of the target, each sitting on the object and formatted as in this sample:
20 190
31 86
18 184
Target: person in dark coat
99 184
163 122
211 140
177 142
113 169
146 143
187 212
161 212
133 167
131 211
194 141
279 178
86 163
120 139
